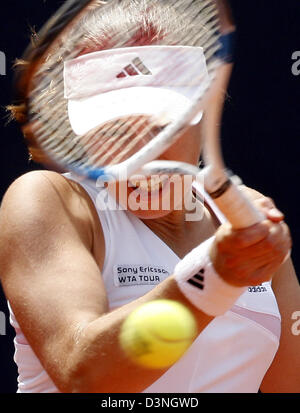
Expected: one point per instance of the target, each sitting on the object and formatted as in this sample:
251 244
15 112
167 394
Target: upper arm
284 372
47 267
283 375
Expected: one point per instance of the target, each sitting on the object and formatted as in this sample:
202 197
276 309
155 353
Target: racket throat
216 181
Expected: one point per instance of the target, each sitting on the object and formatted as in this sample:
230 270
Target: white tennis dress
232 354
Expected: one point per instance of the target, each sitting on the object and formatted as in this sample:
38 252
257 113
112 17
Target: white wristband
202 286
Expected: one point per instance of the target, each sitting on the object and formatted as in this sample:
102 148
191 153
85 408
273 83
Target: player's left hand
265 204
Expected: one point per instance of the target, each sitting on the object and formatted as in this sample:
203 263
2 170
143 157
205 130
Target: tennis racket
102 80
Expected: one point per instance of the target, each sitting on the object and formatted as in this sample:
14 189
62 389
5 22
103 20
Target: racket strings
111 139
116 141
103 146
208 36
120 140
132 144
70 51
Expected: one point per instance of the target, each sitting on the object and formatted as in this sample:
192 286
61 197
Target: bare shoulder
45 204
35 187
48 268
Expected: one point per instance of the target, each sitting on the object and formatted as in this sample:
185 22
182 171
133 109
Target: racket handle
237 208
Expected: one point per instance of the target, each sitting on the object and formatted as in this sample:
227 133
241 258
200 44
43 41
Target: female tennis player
73 268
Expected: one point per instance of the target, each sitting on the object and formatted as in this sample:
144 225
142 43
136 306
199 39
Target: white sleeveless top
232 354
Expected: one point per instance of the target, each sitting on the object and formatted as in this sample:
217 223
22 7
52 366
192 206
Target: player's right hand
252 255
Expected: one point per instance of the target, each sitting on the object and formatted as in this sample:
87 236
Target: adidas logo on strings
198 280
135 68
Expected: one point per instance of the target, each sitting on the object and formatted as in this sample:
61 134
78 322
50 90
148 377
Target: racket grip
237 208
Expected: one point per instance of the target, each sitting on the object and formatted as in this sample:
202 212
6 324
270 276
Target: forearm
101 365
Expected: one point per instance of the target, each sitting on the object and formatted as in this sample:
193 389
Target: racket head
42 86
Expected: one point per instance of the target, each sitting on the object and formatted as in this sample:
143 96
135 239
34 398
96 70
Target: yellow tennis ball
157 334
